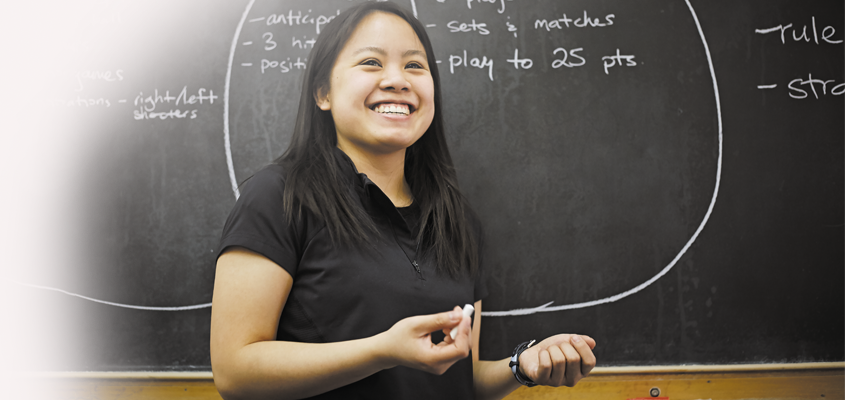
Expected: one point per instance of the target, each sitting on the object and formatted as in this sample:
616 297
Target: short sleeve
257 222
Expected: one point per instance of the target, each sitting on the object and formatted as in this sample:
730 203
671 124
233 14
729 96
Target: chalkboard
665 176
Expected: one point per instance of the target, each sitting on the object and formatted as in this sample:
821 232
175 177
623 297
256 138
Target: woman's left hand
560 360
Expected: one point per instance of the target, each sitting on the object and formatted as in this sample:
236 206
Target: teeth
392 109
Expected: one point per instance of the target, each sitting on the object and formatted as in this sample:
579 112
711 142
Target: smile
396 109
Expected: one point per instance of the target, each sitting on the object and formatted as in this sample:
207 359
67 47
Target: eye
371 62
414 64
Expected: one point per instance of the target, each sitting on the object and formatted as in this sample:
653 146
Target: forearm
493 379
290 370
249 295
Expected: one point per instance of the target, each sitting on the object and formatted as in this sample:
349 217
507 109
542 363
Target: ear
321 96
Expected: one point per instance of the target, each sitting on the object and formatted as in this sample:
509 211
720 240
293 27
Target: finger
451 333
464 317
447 336
573 364
447 352
467 323
588 359
450 351
590 341
544 367
462 338
439 321
559 367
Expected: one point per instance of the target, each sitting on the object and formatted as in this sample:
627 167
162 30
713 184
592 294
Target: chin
399 142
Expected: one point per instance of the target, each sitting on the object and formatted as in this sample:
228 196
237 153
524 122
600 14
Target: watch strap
514 364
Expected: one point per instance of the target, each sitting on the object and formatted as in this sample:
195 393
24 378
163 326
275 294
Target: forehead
384 30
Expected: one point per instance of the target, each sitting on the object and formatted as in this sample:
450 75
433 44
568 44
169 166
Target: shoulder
271 176
265 186
258 221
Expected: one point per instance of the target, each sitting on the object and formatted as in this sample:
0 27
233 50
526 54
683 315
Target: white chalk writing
819 87
284 66
269 44
501 9
802 36
455 26
564 62
524 63
296 19
148 105
303 43
511 27
104 76
809 88
616 60
483 62
580 22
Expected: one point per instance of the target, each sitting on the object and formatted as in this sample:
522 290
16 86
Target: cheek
349 87
427 97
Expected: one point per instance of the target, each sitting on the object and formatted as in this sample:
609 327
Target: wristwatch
514 364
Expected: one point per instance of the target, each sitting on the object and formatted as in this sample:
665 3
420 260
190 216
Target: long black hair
313 181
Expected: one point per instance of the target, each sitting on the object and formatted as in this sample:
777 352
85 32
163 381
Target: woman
340 261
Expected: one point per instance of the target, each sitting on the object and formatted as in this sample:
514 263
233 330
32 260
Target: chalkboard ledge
798 381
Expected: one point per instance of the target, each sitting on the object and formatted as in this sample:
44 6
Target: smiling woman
340 261
381 99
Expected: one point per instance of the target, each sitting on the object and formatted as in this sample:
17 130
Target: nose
394 80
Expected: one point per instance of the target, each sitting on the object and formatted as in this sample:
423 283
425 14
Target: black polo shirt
341 293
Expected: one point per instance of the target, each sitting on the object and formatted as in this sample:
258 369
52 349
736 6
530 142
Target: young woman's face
381 95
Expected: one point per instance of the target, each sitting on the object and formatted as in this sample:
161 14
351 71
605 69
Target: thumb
439 321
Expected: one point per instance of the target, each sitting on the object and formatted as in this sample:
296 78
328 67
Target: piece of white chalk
468 310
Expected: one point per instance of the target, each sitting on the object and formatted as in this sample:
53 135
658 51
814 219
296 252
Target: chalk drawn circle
548 306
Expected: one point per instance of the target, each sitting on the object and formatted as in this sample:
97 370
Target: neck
387 171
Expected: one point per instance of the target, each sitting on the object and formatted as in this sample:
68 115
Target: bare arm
492 379
560 360
250 292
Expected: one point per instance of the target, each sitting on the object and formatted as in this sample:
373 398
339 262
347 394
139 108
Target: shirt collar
348 169
368 191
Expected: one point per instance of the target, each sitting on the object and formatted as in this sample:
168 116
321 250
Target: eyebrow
383 52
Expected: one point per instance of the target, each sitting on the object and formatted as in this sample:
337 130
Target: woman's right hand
408 342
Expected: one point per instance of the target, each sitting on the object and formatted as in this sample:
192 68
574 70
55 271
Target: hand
408 342
561 360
